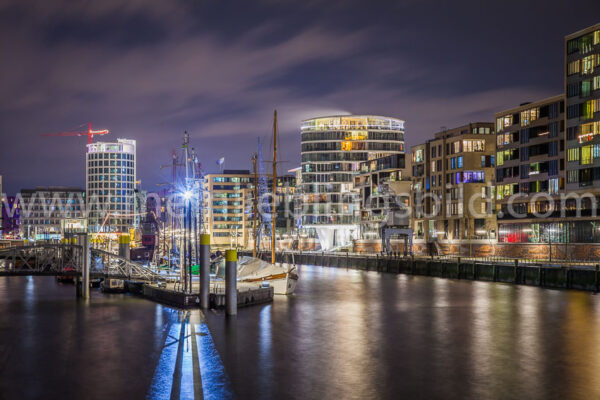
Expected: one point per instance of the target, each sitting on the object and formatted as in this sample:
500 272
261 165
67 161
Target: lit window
573 68
586 155
573 154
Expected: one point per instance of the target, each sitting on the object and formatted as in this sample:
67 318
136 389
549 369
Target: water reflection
342 335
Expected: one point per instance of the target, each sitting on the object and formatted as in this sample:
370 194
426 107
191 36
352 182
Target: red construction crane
90 133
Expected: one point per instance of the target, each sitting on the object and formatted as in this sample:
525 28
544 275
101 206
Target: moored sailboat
282 277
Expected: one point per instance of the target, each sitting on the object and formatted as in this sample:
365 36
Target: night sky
148 70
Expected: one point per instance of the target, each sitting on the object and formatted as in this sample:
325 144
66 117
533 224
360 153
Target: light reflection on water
343 335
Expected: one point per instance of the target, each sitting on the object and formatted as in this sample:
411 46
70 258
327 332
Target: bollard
231 282
124 241
85 265
204 270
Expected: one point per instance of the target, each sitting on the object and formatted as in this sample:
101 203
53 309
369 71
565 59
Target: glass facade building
110 185
582 89
332 151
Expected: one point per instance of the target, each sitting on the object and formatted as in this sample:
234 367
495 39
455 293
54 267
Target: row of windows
551 186
227 226
555 232
124 171
117 178
112 163
234 179
584 43
330 177
109 185
584 66
585 154
526 117
329 219
226 203
583 88
329 167
227 195
341 156
353 146
352 135
110 156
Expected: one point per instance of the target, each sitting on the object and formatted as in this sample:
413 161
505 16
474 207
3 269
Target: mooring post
231 282
85 265
204 269
124 241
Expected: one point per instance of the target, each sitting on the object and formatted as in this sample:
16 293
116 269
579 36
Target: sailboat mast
255 205
274 211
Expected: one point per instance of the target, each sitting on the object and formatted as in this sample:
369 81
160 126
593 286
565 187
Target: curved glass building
332 149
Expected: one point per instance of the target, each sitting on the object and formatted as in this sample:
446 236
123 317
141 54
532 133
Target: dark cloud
148 70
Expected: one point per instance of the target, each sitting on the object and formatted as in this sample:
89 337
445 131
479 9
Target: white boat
283 277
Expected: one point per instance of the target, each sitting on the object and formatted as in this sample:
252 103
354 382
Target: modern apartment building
582 89
332 149
530 170
453 177
48 212
110 184
385 186
224 207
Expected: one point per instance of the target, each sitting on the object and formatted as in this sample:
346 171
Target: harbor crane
89 133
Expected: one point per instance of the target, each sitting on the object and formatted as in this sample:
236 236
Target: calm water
343 335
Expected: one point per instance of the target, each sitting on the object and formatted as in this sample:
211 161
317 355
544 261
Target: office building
332 149
110 185
453 177
48 212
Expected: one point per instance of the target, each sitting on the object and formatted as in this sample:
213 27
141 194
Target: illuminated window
473 145
499 124
553 186
500 158
573 68
597 37
587 109
418 156
456 147
586 155
587 64
529 116
573 154
433 166
473 176
459 162
596 84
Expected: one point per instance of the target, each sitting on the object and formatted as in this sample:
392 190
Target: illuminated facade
453 177
110 184
530 173
582 88
385 186
47 212
332 150
224 207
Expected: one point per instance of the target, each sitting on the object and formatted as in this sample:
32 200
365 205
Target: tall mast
255 206
274 211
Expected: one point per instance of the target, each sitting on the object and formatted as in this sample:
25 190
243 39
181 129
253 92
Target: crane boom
89 133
